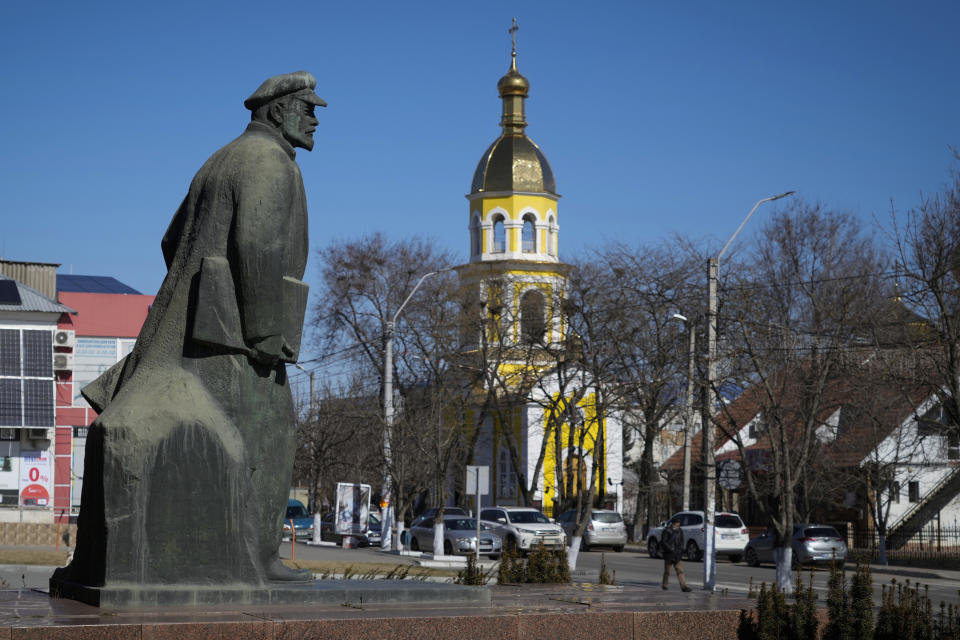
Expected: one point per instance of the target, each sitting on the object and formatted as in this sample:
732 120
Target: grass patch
33 556
371 570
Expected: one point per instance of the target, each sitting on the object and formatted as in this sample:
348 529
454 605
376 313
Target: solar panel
9 352
37 353
10 403
93 284
37 403
9 294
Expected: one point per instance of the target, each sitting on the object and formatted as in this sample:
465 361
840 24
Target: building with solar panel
57 333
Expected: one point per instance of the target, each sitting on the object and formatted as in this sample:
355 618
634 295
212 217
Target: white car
730 535
523 528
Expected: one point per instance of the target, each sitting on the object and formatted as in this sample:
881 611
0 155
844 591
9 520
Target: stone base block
329 592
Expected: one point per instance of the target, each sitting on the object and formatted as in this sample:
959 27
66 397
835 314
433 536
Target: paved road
635 567
25 576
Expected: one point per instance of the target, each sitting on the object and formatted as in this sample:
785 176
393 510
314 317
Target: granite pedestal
327 592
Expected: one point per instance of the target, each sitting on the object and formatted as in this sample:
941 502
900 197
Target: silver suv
605 528
523 528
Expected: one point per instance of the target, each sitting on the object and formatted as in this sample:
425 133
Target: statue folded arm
263 202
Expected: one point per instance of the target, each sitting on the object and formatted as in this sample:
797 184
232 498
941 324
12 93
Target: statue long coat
188 466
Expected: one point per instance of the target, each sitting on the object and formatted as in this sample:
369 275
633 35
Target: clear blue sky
655 120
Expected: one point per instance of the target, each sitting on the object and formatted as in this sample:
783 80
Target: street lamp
309 373
688 418
709 430
386 535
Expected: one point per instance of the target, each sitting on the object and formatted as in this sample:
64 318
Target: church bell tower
514 276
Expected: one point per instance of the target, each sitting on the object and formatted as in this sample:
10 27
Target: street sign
730 474
478 483
477 473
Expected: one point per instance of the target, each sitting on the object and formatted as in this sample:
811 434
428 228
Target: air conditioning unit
64 338
63 361
37 433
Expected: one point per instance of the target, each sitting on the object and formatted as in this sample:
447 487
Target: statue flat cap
301 83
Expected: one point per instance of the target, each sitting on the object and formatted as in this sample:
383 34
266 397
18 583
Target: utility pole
709 429
688 413
312 502
388 525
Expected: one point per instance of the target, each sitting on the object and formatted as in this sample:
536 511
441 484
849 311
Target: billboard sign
352 512
35 479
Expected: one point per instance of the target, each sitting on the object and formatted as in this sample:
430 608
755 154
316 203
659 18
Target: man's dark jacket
671 543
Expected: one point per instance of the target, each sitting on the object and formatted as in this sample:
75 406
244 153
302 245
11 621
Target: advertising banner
10 466
91 357
353 508
35 478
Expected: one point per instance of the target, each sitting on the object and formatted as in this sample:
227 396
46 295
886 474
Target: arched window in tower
551 237
533 323
476 236
499 235
529 236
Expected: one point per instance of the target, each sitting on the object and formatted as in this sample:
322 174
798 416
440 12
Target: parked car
302 521
459 537
433 511
730 535
523 528
811 544
371 537
605 528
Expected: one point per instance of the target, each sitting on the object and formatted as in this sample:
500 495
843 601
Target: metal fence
932 542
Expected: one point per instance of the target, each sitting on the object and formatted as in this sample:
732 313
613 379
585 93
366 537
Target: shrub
542 566
604 574
472 574
563 566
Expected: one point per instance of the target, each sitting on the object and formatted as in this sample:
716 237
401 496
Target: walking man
671 542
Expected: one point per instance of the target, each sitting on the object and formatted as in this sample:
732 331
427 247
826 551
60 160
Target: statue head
288 102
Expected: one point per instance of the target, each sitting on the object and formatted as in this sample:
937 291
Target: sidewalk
875 569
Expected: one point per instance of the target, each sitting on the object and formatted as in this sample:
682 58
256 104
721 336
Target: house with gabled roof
885 454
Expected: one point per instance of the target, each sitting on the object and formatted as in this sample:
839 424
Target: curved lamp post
709 431
387 523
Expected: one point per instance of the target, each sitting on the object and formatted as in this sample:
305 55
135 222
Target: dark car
301 519
811 544
432 512
371 537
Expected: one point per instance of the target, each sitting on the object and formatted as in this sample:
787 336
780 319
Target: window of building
757 428
476 236
529 235
532 321
895 492
499 235
506 478
932 422
26 378
913 491
551 237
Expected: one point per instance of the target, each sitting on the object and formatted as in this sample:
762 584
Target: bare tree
928 255
626 298
792 321
364 284
336 442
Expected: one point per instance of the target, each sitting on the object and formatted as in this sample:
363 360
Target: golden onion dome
514 83
513 162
